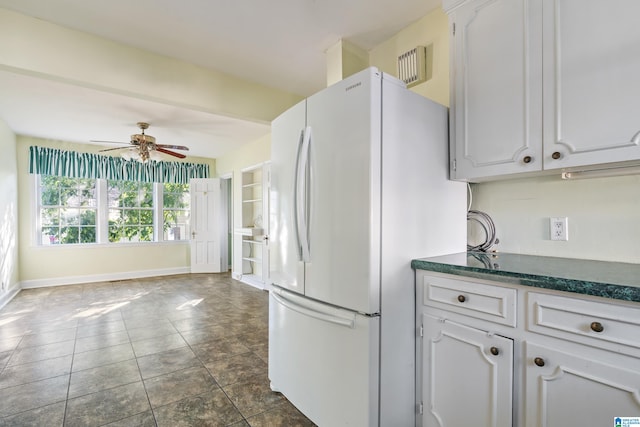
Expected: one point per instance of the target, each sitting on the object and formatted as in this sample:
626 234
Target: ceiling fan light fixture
143 148
131 154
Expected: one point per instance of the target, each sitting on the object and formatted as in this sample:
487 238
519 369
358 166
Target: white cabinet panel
599 390
543 85
598 324
467 377
497 88
493 303
592 62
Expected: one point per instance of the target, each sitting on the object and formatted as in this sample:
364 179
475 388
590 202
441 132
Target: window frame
102 218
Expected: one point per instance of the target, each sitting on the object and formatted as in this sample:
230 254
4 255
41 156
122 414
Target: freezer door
344 193
285 266
324 360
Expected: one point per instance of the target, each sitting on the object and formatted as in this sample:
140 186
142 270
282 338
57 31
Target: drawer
589 322
482 301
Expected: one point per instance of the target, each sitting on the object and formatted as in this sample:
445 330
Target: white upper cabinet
496 97
543 85
592 82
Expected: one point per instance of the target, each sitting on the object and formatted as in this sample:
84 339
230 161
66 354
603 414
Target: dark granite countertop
614 280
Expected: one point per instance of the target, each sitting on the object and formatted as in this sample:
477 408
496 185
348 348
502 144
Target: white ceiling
277 43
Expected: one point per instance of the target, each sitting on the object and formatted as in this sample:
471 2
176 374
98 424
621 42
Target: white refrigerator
358 189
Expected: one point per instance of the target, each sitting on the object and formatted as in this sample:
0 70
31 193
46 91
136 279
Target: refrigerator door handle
301 196
296 190
348 322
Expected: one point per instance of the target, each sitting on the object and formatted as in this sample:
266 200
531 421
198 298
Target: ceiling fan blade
110 142
111 149
174 147
171 153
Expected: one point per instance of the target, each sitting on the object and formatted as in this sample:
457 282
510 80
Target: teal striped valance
72 164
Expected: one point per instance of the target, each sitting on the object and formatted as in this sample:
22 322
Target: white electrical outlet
559 228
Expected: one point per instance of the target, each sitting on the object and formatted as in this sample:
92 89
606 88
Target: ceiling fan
141 146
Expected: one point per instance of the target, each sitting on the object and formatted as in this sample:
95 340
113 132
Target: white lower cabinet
573 389
565 360
468 375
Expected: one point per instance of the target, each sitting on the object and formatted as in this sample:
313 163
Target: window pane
88 217
175 212
146 196
87 235
61 199
50 235
70 216
146 217
50 216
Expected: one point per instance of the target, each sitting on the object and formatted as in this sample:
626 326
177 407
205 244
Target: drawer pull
495 351
462 298
597 327
539 361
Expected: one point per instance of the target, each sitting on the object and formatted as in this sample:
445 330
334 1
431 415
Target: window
130 211
175 212
79 210
68 210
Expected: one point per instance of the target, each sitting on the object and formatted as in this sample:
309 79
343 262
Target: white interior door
206 229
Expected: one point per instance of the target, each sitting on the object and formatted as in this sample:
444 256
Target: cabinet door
496 112
463 382
592 63
563 389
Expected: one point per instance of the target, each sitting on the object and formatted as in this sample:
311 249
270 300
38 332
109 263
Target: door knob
539 361
462 298
527 159
495 351
193 234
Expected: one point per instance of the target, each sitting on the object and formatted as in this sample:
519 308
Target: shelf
252 201
253 242
250 231
252 184
251 259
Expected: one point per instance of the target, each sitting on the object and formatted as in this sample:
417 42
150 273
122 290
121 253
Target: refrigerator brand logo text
348 88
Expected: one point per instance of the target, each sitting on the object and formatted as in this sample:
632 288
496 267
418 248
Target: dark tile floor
188 350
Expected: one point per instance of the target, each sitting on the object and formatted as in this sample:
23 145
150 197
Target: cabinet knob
462 298
597 327
527 159
539 361
495 351
556 155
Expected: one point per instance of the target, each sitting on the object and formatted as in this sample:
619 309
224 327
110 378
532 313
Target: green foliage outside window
175 212
68 213
130 211
70 210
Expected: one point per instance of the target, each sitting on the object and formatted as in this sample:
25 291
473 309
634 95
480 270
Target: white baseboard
9 295
108 277
249 279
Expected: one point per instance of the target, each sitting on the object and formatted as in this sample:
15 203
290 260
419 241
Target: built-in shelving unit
252 266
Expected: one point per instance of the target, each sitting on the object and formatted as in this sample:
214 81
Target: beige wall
76 264
430 30
8 214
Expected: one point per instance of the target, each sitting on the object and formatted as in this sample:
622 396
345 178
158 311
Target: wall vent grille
413 67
